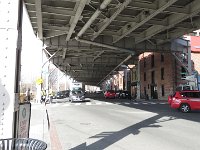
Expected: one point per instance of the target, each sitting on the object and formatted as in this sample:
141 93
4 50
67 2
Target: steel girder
93 35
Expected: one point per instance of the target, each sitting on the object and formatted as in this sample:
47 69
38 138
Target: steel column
10 62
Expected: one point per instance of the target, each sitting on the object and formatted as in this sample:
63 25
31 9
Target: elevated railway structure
92 38
88 39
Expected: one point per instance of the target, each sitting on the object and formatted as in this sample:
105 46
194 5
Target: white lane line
77 104
88 103
126 103
163 103
145 103
109 103
136 103
153 103
66 105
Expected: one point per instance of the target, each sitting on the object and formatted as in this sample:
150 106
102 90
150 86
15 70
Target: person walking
28 95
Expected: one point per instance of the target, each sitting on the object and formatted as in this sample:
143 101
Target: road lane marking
163 103
88 103
153 103
78 104
109 103
126 103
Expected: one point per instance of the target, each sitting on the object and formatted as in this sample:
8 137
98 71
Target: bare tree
53 78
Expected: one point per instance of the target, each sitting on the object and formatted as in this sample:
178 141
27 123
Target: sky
31 58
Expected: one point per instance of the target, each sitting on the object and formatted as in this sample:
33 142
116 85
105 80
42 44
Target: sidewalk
39 124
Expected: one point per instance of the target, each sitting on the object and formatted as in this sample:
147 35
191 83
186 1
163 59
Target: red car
185 100
109 94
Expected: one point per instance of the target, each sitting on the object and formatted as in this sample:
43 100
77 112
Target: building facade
157 75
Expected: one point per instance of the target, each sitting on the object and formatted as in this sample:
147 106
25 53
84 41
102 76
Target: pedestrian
28 95
43 96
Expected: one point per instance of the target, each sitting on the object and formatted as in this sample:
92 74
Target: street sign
39 81
24 120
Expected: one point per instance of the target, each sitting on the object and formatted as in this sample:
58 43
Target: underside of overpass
90 39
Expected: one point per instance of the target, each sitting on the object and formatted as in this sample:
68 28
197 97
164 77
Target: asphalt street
99 124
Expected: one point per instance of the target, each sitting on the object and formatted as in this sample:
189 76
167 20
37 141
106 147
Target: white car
76 95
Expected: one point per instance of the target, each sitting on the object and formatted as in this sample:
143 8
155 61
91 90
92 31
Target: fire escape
182 56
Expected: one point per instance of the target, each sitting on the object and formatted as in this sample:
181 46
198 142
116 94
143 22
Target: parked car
109 94
65 93
118 93
185 101
125 95
76 95
59 95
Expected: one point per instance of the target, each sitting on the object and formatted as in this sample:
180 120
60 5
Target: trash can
22 144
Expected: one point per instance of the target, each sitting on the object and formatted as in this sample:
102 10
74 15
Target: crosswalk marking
145 103
135 103
109 103
95 102
88 103
162 103
153 103
78 104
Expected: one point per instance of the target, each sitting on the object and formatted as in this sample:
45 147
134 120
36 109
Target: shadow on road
109 138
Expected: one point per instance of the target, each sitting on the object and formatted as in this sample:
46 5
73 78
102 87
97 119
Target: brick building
195 49
159 75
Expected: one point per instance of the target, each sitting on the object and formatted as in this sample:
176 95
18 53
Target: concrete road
122 125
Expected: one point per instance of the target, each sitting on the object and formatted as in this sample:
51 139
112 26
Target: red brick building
159 75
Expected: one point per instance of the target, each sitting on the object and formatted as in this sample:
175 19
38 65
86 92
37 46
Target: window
196 94
144 62
152 77
162 73
183 72
191 94
145 76
163 90
162 58
152 60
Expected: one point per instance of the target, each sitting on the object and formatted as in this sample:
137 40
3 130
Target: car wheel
185 108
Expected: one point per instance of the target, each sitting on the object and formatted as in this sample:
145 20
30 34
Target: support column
189 60
10 65
138 79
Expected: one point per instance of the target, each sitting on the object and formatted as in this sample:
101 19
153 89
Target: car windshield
77 92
